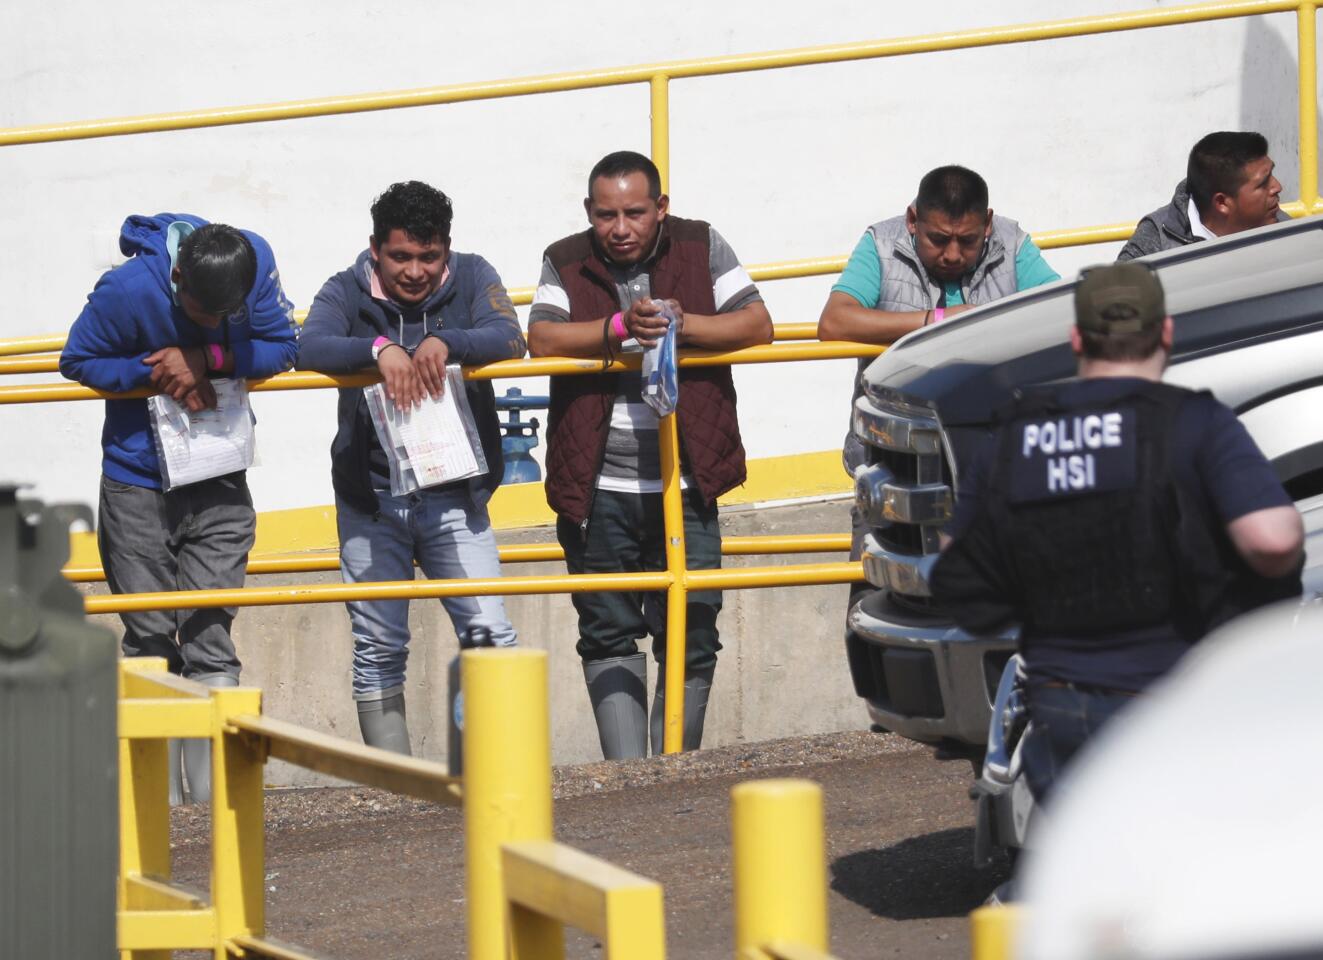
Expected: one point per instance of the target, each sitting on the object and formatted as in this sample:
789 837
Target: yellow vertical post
238 844
1307 41
668 436
507 781
992 932
144 805
780 865
661 127
534 936
677 594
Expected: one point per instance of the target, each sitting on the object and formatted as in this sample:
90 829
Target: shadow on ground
920 878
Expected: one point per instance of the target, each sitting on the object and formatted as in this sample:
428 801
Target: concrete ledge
782 670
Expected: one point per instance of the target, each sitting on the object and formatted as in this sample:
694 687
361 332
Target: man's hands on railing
409 379
844 319
181 374
645 323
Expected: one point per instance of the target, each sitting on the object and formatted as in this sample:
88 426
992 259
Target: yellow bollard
238 838
507 782
780 865
992 932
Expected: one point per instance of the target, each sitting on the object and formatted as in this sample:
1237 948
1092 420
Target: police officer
1116 519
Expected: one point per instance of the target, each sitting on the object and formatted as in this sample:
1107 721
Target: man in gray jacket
1228 187
946 253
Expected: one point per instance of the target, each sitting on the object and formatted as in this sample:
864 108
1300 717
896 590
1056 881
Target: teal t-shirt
862 277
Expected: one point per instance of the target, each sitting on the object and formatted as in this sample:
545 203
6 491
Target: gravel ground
354 872
326 806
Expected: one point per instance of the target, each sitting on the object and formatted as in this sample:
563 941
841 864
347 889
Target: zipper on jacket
601 459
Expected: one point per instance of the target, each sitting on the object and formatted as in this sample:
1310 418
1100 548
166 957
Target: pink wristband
217 356
938 313
618 327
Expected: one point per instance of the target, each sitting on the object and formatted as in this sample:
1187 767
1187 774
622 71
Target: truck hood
1262 285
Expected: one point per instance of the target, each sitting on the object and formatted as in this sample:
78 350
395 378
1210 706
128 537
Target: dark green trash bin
58 754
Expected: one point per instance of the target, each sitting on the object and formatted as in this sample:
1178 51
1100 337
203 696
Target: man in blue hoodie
195 300
407 306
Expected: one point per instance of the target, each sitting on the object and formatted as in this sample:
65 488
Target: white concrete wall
787 164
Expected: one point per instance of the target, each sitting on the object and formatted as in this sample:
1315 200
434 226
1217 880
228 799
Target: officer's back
1116 519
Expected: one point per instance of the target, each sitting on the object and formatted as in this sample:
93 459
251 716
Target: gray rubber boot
618 689
197 753
697 685
172 752
383 723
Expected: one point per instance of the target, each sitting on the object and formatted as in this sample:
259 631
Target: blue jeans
1064 718
451 538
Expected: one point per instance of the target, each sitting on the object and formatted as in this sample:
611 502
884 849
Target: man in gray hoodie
409 305
1228 187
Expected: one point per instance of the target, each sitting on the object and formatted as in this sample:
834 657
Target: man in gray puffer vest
946 254
1228 187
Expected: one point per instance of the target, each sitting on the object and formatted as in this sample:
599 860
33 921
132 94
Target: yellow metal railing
155 916
548 885
519 553
522 887
41 354
541 366
676 579
658 77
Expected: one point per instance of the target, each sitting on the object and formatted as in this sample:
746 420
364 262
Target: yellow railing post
668 435
1307 56
144 805
238 842
780 870
677 598
677 594
507 780
992 932
660 101
672 505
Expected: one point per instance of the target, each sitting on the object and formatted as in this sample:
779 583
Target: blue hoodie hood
132 314
144 238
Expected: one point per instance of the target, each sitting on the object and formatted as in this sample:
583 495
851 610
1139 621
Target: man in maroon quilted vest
600 295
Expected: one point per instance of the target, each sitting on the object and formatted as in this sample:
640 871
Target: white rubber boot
173 749
197 753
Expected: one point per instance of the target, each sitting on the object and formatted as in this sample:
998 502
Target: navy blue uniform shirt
1217 464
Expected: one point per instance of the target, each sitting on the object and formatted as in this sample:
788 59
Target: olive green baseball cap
1119 298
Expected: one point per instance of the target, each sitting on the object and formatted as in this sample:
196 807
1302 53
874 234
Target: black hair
421 211
952 190
217 268
1122 347
1217 164
621 164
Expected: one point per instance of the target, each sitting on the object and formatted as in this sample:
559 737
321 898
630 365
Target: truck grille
905 493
